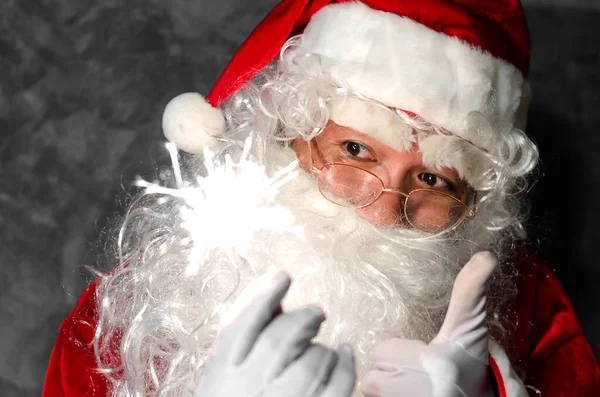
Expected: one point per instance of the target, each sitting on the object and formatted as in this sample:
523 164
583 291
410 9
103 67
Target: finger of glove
343 376
459 368
306 375
285 339
376 383
256 289
405 383
404 357
395 353
465 320
236 340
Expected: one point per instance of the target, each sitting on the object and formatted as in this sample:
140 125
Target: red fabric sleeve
561 362
72 371
548 347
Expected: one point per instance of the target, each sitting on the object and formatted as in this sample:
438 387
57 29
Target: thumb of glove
464 324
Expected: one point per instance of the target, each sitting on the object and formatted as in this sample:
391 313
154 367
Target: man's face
403 171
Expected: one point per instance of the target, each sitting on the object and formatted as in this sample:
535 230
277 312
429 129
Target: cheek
385 211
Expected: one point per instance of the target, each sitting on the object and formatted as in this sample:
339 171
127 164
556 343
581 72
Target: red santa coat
549 351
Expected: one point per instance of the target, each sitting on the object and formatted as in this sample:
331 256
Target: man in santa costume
406 119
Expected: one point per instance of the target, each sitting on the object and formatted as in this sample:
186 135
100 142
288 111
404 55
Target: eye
355 149
436 181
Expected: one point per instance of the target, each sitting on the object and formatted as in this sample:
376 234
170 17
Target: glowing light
211 208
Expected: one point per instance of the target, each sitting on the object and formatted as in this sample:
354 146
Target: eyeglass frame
469 212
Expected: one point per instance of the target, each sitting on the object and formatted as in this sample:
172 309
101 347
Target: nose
388 209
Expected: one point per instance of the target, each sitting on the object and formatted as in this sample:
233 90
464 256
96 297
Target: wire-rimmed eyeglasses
428 210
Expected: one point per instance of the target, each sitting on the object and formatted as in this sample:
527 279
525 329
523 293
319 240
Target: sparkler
224 209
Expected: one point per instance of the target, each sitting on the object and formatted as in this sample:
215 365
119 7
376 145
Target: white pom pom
191 123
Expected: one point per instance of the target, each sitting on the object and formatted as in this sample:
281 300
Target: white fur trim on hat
191 123
406 65
375 120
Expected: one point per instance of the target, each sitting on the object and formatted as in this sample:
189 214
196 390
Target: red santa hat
438 59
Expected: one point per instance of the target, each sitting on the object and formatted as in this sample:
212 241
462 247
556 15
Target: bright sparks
226 207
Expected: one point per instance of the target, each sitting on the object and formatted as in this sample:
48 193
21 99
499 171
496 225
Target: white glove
456 362
266 353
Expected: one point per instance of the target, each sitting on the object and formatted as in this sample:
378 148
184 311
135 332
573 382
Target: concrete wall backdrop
82 88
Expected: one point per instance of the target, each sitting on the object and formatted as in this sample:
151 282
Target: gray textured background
82 88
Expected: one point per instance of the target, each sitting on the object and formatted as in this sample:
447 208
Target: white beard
372 283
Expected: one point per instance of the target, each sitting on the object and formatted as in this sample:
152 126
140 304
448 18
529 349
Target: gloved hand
455 363
263 352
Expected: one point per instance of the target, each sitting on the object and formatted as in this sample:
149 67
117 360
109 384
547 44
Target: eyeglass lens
426 210
348 185
433 211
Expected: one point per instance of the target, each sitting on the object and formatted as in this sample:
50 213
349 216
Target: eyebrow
442 151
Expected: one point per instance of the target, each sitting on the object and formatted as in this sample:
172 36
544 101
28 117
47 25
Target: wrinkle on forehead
440 151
